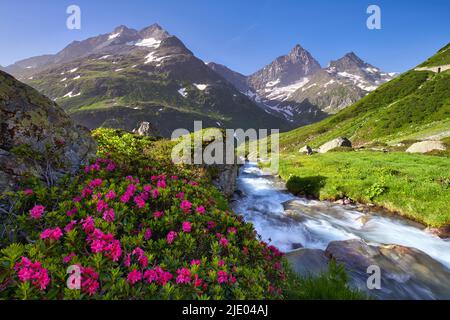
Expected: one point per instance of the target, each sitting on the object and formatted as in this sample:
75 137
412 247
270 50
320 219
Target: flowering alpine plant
37 211
138 227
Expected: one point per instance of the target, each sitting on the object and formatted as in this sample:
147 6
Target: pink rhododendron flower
155 193
28 192
223 242
105 243
68 258
275 251
127 260
187 227
180 195
32 271
72 211
142 258
222 276
131 189
86 192
157 275
111 195
184 275
174 177
221 263
147 234
211 224
197 281
161 184
134 276
88 225
158 214
95 183
201 210
111 166
70 226
150 276
89 281
195 262
53 234
185 206
37 211
232 230
101 206
109 215
139 202
148 188
171 237
193 183
125 198
232 279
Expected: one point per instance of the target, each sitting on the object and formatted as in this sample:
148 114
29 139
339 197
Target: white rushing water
323 222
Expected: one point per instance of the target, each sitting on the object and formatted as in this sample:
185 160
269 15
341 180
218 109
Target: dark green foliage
306 186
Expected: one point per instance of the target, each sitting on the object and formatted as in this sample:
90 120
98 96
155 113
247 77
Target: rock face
37 138
294 87
425 146
308 262
145 129
333 144
285 69
150 74
406 273
306 149
226 178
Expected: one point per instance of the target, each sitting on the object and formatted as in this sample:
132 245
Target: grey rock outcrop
145 129
308 262
306 149
335 143
37 138
406 273
425 146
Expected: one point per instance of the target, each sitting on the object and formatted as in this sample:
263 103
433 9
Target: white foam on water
323 222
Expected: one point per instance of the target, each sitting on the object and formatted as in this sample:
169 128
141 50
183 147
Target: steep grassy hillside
412 106
439 59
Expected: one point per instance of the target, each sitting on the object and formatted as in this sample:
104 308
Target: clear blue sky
242 34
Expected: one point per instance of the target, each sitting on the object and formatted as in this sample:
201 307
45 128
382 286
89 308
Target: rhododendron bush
136 226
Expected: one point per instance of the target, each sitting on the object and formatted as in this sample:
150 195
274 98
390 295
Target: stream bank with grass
415 186
315 234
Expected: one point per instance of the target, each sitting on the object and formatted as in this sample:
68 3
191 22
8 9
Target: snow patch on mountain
283 93
151 57
71 95
201 87
149 43
183 92
114 35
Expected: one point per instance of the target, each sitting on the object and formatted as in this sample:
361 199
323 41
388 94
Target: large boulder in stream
308 262
37 138
406 273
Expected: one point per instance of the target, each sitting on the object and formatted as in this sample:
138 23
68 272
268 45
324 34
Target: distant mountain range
296 88
414 106
125 77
